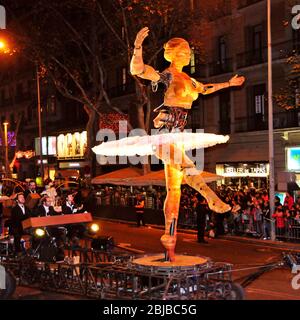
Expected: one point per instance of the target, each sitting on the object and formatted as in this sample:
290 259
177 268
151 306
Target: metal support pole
5 124
39 119
270 118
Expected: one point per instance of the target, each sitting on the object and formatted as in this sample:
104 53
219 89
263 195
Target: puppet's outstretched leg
194 179
173 156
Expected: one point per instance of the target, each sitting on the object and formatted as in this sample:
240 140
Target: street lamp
5 124
270 118
2 45
39 120
5 48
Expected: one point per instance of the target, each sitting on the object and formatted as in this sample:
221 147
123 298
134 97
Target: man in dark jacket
69 207
45 209
140 209
202 211
19 213
31 189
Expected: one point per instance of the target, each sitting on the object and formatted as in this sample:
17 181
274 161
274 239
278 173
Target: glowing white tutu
147 145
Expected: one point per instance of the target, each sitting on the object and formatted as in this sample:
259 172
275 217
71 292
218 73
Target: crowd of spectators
249 215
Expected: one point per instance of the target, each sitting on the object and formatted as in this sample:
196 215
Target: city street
173 114
274 285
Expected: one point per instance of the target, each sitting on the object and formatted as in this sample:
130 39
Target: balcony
281 120
220 66
251 58
247 3
219 10
281 50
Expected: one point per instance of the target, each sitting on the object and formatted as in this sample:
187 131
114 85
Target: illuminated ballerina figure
181 91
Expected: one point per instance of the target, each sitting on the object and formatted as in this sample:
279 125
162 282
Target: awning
118 177
134 177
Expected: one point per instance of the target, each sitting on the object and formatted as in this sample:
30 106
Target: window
193 61
124 78
246 3
257 111
12 119
20 89
2 97
222 48
257 38
51 105
194 5
254 44
225 106
29 85
296 41
29 114
259 100
222 51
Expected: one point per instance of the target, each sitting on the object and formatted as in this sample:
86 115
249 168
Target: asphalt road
273 285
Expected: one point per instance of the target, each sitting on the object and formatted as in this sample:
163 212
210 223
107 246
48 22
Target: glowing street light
2 45
5 48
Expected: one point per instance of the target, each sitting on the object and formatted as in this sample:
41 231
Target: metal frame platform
117 275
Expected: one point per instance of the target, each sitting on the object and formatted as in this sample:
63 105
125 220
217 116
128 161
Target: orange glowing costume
181 91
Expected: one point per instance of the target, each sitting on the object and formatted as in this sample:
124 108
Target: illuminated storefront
293 164
62 152
48 146
244 173
293 159
71 149
71 145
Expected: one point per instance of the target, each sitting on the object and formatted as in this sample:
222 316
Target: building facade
236 43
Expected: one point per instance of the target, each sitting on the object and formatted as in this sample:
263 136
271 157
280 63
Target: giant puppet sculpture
180 92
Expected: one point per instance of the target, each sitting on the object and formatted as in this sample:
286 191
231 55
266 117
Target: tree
288 97
165 20
75 40
67 46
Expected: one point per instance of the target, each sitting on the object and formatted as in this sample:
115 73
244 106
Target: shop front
71 169
292 176
49 153
251 174
71 148
63 155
